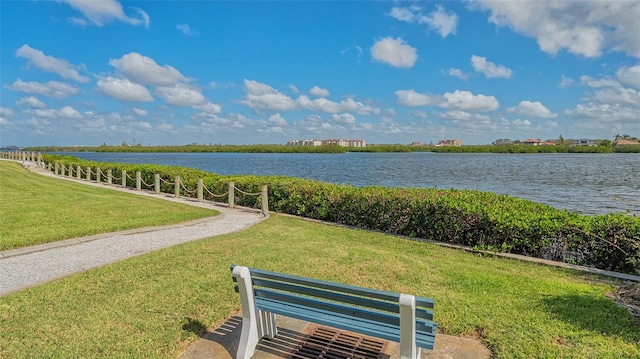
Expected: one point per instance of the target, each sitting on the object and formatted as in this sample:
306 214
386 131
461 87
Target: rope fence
88 174
246 193
145 183
167 182
186 189
215 195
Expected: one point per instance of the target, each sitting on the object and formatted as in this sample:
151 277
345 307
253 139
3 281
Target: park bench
390 316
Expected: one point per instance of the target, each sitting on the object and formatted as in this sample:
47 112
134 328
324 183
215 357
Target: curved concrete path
26 267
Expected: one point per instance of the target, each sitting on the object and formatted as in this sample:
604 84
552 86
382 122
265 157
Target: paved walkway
30 266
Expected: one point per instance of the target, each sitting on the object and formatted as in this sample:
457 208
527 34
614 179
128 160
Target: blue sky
174 72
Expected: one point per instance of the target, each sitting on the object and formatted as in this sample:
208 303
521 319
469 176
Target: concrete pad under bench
222 343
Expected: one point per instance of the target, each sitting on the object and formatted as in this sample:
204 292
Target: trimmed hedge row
478 219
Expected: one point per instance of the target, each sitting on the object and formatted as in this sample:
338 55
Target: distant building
531 142
456 143
502 142
626 142
583 142
547 143
416 144
331 141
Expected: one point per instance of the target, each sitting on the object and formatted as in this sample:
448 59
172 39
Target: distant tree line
503 145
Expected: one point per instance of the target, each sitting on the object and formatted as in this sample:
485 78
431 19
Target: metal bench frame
401 318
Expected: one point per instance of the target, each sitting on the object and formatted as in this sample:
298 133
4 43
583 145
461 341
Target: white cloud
629 75
6 112
457 100
604 112
467 101
277 120
31 101
185 29
603 82
618 96
312 123
489 69
521 124
50 89
413 98
319 92
566 81
209 108
51 64
395 52
345 118
181 95
458 73
440 20
406 14
263 96
463 116
142 125
139 111
294 89
100 13
146 71
325 105
585 28
532 109
69 112
123 89
66 112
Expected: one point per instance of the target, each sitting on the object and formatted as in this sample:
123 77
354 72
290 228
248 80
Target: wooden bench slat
420 313
324 305
365 292
330 295
368 314
364 314
345 322
424 314
345 288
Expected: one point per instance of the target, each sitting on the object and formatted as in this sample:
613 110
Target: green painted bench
391 316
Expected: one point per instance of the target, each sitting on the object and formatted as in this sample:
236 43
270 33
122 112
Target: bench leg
269 328
408 348
251 325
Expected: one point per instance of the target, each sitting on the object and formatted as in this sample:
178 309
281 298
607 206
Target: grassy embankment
155 305
38 209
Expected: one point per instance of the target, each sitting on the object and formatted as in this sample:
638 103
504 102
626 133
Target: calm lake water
585 183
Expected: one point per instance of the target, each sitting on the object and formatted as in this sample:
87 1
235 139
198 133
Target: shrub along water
482 220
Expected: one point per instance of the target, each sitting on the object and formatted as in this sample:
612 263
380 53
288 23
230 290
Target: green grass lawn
37 209
149 306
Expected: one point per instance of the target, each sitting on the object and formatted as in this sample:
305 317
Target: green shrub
478 219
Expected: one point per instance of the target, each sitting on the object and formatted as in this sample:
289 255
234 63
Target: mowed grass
36 209
155 305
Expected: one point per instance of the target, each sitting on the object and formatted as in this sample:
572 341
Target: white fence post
157 184
265 200
232 195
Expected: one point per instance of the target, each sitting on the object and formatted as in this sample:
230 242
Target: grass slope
155 305
38 209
